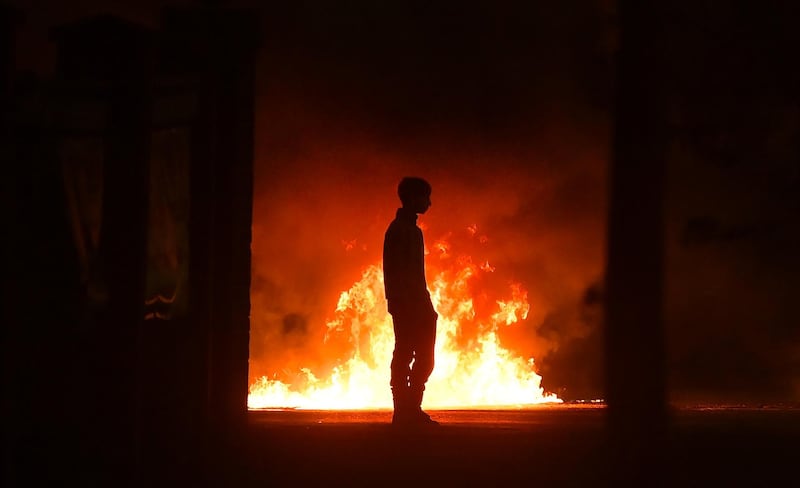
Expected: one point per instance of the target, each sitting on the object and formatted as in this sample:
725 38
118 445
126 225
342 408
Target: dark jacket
404 265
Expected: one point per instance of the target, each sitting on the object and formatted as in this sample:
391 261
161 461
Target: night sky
506 108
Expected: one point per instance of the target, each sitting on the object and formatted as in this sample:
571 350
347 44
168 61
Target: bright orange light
472 369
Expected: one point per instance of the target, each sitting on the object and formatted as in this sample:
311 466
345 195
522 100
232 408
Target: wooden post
111 57
635 389
221 44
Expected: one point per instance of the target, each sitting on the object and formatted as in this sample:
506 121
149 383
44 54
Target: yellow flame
481 374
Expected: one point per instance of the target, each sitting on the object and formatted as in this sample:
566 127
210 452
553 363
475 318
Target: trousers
414 345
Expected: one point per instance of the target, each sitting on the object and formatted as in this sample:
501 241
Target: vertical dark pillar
635 389
112 56
123 235
222 44
8 22
40 285
11 405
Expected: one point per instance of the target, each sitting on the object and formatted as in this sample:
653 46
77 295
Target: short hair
411 186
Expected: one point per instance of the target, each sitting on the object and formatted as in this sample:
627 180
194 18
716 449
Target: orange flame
474 371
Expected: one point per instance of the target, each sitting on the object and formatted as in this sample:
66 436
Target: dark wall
93 392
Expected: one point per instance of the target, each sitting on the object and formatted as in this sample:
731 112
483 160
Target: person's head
415 194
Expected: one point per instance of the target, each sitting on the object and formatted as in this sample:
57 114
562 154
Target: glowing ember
472 368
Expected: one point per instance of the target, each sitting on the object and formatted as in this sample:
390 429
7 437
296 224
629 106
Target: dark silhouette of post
107 59
635 388
219 45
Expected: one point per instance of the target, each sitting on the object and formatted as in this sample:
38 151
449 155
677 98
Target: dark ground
547 446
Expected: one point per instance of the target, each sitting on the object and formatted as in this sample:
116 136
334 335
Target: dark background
507 108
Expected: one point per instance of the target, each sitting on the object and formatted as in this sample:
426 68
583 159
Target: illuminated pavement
495 418
559 445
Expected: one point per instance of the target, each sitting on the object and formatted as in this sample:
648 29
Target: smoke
496 115
325 194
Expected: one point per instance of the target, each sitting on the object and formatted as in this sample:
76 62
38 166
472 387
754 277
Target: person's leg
424 347
401 368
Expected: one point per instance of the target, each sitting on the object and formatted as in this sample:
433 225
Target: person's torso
404 259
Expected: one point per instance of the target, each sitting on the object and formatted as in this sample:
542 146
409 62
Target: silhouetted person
413 315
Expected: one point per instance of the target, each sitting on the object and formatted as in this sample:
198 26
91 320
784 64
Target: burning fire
472 368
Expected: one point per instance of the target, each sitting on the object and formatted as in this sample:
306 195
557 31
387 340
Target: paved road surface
544 446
